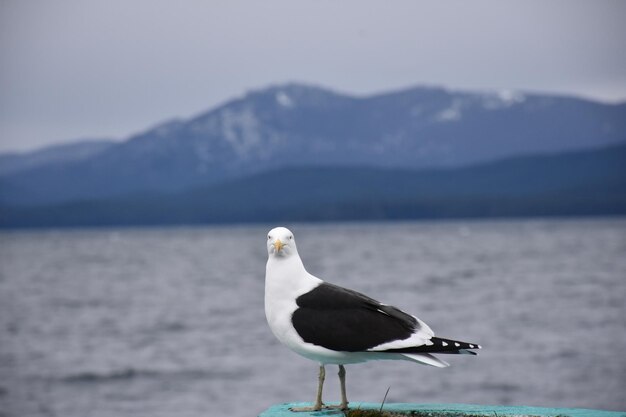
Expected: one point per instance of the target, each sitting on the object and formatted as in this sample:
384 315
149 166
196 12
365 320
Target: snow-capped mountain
299 125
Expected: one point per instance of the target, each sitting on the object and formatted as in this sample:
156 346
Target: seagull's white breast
285 281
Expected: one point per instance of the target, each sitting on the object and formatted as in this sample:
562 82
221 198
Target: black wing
344 320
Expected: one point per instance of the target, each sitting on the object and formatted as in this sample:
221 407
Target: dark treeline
573 184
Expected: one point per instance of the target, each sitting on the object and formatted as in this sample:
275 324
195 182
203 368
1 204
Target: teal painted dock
438 410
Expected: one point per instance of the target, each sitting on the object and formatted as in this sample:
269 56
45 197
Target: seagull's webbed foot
342 407
315 407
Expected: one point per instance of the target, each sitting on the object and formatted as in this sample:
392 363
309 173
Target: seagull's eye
269 237
290 237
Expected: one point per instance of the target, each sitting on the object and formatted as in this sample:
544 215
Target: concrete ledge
282 410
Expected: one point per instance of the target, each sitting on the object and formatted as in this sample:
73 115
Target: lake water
170 322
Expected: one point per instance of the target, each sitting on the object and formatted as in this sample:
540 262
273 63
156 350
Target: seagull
332 325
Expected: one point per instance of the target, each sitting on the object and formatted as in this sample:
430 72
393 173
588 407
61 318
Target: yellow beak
278 245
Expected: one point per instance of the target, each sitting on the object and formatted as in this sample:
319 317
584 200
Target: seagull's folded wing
344 320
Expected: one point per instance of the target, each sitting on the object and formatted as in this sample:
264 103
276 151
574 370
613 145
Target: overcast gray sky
108 68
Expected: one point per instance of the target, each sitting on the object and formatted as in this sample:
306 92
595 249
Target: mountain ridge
12 162
297 124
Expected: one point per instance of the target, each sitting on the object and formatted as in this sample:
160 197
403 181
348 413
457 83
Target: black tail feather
441 345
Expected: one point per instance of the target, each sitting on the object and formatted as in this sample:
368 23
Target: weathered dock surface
440 410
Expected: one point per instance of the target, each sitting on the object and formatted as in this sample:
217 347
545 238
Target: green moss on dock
377 413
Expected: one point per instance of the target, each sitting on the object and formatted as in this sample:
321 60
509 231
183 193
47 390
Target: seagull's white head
281 243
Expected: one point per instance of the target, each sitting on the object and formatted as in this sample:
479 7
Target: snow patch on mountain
241 128
452 113
502 99
284 100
